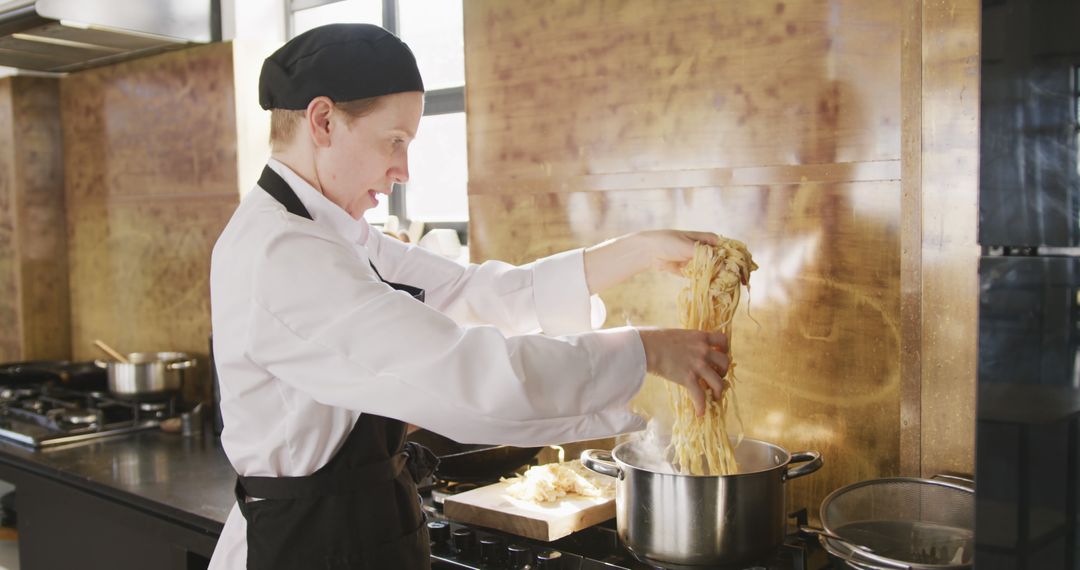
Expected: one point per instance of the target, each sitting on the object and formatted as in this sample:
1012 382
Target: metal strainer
901 522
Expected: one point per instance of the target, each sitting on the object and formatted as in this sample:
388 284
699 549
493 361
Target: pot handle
600 461
815 463
180 365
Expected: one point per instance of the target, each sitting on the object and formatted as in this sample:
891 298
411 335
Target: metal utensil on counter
191 422
901 523
188 424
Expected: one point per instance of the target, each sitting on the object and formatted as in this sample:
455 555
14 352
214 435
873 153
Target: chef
329 337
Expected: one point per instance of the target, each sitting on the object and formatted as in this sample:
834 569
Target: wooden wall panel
788 125
150 156
34 312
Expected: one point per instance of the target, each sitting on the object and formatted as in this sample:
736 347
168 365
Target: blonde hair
284 122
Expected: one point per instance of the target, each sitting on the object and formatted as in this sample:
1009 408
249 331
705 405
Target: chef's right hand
685 356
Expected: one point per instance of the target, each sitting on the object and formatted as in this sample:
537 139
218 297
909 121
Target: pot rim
781 465
152 358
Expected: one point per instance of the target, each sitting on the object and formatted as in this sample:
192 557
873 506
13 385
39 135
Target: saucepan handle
815 463
600 460
180 365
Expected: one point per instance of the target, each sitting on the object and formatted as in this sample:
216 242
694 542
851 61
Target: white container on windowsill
443 241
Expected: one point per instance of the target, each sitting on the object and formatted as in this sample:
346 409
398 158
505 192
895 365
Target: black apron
361 510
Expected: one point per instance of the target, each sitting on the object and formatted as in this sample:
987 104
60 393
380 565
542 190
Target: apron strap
278 189
321 483
416 292
276 186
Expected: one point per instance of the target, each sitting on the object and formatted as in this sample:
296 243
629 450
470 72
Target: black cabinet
62 526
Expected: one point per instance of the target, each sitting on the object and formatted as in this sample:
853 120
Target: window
1076 95
1076 112
436 192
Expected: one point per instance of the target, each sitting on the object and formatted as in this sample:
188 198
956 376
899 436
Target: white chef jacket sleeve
548 295
322 323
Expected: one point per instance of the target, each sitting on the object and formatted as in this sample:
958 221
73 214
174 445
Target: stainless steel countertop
187 479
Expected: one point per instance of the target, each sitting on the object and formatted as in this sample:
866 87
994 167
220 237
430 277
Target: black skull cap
344 62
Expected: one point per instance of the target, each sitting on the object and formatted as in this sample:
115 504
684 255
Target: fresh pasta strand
702 445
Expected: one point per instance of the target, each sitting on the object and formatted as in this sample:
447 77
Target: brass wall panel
822 369
834 136
568 88
33 244
150 156
950 174
43 263
911 322
10 330
741 176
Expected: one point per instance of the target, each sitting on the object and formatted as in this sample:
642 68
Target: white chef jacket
306 338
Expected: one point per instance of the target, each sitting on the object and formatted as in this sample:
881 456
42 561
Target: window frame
443 101
1076 94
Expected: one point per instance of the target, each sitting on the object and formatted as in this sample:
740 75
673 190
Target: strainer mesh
909 520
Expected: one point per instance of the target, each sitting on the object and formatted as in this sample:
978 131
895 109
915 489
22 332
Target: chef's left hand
671 249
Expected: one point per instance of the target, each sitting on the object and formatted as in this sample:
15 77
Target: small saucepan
147 374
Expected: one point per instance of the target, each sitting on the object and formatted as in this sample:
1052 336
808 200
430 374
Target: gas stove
45 415
469 547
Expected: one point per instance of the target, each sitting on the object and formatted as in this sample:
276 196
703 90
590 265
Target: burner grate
47 416
469 547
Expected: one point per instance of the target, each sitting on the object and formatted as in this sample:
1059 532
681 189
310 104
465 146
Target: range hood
69 35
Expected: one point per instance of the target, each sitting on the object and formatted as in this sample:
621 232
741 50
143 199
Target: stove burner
7 394
74 416
153 406
456 546
46 415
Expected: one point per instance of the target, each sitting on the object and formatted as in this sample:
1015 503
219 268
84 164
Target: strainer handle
815 463
860 554
965 482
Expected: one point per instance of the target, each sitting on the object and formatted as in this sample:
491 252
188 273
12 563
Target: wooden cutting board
491 507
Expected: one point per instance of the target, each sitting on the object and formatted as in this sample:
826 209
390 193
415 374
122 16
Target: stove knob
438 532
521 558
464 541
491 550
549 560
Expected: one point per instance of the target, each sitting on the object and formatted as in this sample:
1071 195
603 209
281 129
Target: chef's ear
317 122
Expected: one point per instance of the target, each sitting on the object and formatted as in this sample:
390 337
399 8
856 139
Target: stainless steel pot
147 373
690 521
